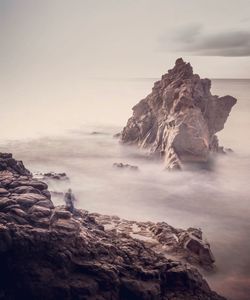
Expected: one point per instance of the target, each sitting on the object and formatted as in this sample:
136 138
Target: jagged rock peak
180 71
179 118
181 67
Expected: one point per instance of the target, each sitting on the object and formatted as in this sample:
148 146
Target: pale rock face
179 119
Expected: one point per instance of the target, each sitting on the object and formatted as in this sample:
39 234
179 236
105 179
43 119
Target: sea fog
215 200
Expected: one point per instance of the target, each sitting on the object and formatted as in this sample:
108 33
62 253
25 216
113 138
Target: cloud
188 34
194 40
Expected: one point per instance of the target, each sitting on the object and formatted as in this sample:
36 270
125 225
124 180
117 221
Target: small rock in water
57 176
125 166
117 135
51 175
98 133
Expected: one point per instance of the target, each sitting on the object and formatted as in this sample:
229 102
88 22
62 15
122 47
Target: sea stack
179 119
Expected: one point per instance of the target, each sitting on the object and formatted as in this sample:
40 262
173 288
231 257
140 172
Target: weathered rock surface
178 120
48 253
185 245
8 163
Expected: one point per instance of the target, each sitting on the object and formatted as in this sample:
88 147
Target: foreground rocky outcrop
179 119
48 253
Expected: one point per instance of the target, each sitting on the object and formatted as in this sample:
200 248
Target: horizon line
157 78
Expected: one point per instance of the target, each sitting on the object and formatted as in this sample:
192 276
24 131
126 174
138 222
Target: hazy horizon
71 62
103 103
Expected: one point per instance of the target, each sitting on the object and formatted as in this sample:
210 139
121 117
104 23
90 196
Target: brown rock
19 212
67 225
39 211
25 190
3 192
46 203
15 166
62 214
5 202
200 250
33 183
29 199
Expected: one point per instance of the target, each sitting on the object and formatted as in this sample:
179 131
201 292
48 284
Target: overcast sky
122 38
51 50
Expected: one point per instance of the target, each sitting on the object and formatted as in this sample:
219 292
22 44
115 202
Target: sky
50 49
122 38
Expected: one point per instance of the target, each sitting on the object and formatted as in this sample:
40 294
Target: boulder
38 211
28 199
199 249
23 189
45 203
5 202
61 214
3 192
39 185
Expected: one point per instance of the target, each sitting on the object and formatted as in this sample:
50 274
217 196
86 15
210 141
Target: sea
74 134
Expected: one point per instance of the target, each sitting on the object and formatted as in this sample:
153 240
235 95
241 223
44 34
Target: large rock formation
179 119
48 253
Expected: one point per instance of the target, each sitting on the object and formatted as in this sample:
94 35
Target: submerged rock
178 120
125 166
51 175
48 253
117 135
98 133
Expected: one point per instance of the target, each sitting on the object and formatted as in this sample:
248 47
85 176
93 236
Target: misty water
215 200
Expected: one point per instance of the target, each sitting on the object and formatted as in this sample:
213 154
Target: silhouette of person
69 199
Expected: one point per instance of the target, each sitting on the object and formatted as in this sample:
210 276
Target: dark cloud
188 34
194 40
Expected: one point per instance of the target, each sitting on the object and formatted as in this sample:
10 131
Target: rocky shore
179 119
48 253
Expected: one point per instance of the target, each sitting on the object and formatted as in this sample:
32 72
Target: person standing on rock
69 199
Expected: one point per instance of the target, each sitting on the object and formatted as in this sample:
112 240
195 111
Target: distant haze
63 62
